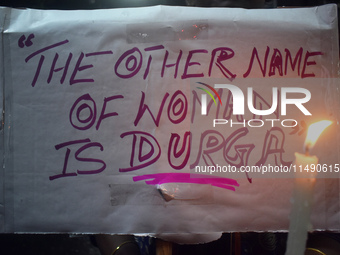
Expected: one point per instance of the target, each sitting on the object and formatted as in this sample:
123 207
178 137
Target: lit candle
303 192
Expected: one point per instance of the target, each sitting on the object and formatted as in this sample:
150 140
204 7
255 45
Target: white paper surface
79 139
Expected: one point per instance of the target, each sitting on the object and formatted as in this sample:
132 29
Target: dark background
95 4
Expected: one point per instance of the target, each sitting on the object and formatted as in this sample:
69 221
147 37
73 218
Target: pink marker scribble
154 179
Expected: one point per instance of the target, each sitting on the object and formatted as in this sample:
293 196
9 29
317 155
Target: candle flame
314 131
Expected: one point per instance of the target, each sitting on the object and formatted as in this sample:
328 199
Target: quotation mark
22 42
